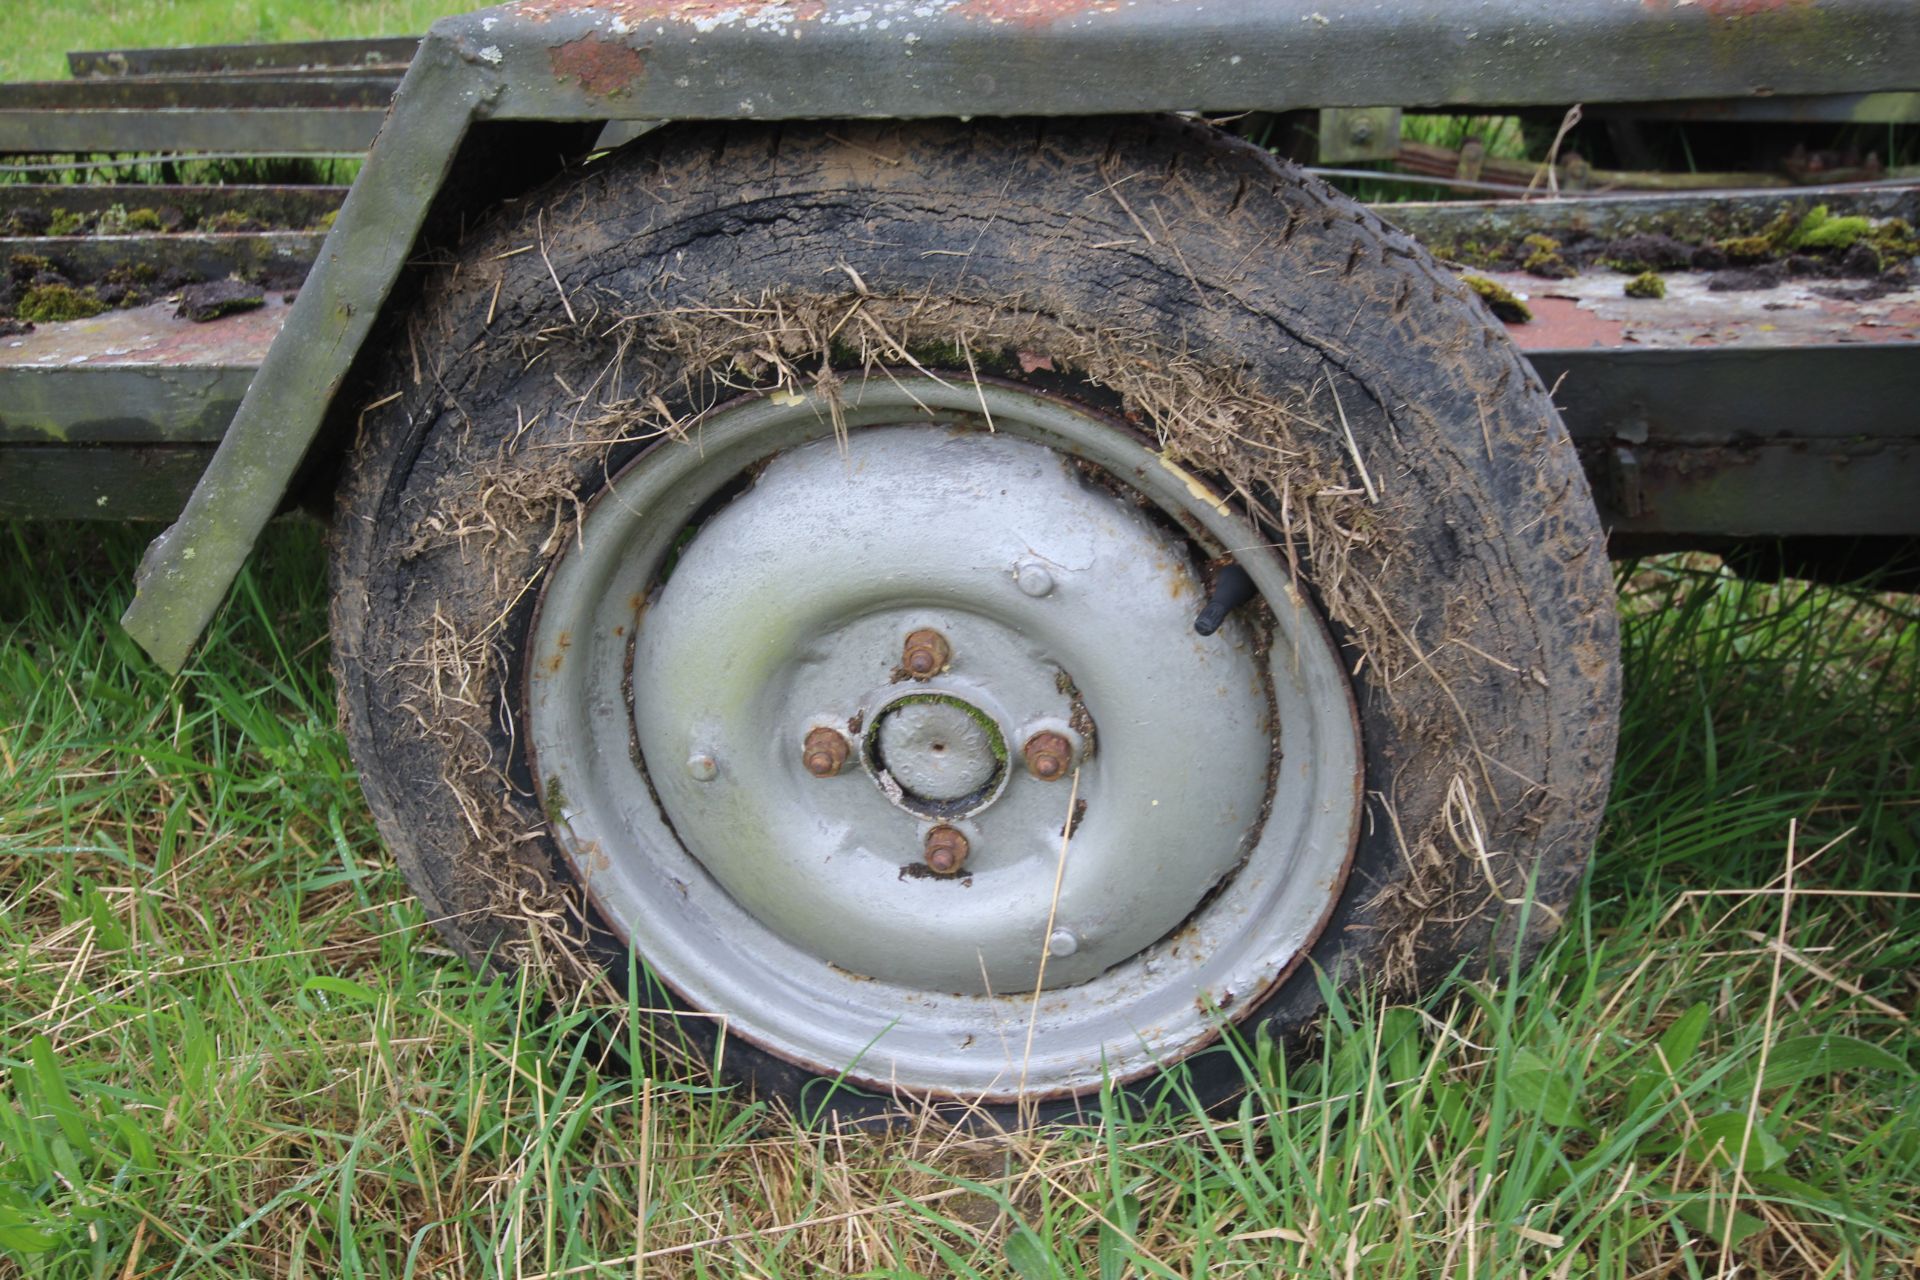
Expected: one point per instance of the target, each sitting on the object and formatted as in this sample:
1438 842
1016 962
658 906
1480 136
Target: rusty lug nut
1048 755
824 752
926 654
946 850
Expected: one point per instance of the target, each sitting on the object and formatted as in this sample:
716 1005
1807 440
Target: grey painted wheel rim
665 720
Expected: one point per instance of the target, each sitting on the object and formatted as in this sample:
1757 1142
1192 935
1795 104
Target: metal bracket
1358 133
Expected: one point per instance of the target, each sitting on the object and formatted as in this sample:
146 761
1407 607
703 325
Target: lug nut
702 767
926 654
824 752
1048 755
946 850
1062 943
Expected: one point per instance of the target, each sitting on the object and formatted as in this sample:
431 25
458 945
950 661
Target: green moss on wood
1471 253
1894 241
51 303
229 220
1543 258
131 273
1819 230
1500 300
1648 284
1747 249
117 220
1769 243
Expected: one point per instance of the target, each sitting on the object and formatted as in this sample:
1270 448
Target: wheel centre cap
938 748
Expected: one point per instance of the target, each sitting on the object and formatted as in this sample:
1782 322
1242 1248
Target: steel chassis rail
560 61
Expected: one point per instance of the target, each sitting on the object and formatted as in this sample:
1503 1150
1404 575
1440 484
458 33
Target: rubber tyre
1490 576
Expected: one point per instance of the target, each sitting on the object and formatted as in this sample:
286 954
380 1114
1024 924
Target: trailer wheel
863 571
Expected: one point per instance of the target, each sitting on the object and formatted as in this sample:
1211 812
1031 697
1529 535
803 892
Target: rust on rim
946 850
824 753
1048 755
926 654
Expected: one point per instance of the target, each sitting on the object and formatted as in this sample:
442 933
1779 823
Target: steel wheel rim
1162 1001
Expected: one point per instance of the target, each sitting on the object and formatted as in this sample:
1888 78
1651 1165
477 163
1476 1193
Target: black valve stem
1231 589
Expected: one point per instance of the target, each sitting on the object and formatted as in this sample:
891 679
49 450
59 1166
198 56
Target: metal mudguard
560 60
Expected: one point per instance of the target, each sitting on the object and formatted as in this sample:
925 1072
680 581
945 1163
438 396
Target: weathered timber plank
98 482
220 93
119 404
282 257
272 206
261 131
383 51
1691 216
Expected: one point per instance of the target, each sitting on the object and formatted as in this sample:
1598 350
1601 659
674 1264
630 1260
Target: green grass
232 1047
37 49
1503 136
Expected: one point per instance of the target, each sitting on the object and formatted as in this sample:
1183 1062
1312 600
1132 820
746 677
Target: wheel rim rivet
702 767
1032 578
824 753
946 850
1061 942
1048 755
926 653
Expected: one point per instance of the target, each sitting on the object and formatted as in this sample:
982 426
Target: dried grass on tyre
1290 462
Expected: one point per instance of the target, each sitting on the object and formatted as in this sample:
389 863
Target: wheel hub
917 630
938 750
850 755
